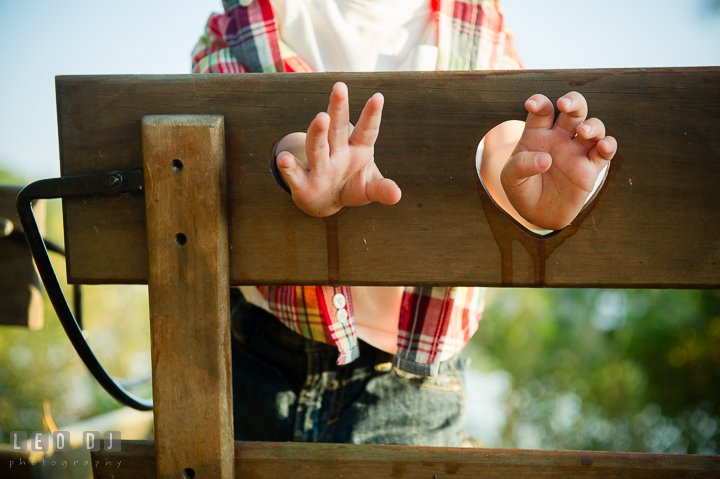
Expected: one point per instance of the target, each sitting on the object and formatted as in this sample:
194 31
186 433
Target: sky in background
41 39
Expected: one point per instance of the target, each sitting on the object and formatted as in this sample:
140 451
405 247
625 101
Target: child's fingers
573 111
368 126
540 112
590 132
592 129
316 142
522 166
339 112
604 151
292 170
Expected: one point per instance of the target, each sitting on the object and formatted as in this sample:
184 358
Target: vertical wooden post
188 282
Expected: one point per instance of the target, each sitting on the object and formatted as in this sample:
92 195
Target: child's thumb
292 170
384 191
524 165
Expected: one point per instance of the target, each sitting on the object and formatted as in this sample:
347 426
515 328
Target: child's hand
554 166
341 169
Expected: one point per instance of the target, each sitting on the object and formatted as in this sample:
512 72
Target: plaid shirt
434 323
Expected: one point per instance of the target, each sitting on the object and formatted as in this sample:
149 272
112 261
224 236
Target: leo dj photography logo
60 441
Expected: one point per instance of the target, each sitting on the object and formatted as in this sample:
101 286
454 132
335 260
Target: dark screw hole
188 473
181 239
176 166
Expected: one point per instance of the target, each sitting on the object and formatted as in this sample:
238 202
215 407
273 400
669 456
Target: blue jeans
288 388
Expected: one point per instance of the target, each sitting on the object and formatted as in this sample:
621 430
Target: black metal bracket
112 183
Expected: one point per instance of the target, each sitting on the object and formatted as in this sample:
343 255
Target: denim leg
288 388
392 407
264 398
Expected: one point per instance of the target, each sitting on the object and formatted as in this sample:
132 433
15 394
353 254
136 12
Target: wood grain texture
184 166
263 460
655 223
21 302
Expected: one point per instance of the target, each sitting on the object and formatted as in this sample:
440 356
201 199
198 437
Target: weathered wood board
21 302
188 252
18 465
263 460
655 223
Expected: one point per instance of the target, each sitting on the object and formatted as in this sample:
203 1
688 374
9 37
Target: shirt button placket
339 302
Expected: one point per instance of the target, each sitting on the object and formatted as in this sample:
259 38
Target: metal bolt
115 180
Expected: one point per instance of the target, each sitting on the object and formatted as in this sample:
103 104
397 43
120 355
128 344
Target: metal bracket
115 182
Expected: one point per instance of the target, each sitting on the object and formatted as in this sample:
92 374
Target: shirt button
342 316
339 301
245 3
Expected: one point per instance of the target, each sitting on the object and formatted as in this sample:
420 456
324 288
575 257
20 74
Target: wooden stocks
654 224
185 194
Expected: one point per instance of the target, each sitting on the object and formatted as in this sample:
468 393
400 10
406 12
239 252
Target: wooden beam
184 165
21 302
20 465
656 222
263 460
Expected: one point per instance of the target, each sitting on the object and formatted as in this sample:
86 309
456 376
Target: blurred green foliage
634 370
7 178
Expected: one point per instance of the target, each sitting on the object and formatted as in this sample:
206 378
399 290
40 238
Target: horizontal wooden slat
264 460
656 222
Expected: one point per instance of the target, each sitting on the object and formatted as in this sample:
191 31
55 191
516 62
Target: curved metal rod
116 182
77 291
19 236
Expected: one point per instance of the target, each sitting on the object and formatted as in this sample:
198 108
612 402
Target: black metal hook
64 187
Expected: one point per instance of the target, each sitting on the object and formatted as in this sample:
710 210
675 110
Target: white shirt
359 35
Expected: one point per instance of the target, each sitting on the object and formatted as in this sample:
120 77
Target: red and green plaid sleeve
212 54
309 311
472 35
244 40
435 324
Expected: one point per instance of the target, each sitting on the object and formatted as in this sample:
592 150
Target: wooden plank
21 302
656 222
263 460
184 165
20 464
75 463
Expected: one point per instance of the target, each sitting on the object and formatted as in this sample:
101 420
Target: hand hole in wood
176 165
180 239
295 144
493 153
188 473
